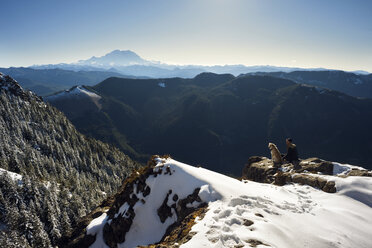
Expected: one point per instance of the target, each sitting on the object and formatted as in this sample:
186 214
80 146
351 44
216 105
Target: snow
320 90
86 92
95 224
14 176
76 91
161 85
47 184
293 215
208 194
343 169
357 188
288 216
123 209
358 81
95 227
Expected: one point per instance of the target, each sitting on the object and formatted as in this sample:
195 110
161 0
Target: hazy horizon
317 34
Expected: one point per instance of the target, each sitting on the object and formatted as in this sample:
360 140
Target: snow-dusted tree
40 237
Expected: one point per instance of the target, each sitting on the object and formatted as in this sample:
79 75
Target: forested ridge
63 173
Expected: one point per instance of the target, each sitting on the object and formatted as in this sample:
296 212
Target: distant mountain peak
123 53
118 51
115 58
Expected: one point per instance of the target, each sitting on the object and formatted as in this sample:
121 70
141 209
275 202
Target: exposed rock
360 173
314 181
180 232
114 233
255 242
248 222
165 211
329 187
261 169
315 165
281 178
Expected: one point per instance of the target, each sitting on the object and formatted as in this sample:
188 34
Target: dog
276 157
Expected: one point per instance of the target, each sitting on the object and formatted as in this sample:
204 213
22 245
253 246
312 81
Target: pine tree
65 224
40 237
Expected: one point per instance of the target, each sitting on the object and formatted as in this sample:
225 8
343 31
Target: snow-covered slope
76 92
240 214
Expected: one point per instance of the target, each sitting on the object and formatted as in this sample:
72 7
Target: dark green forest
218 121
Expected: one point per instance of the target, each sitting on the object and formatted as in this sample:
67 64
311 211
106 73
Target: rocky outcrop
281 179
134 190
180 232
359 173
263 170
259 169
8 84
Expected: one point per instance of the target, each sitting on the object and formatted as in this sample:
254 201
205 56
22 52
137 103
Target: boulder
259 169
329 187
315 165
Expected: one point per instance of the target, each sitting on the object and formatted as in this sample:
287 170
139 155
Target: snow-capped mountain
115 58
172 204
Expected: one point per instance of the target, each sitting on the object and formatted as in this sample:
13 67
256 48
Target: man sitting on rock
292 154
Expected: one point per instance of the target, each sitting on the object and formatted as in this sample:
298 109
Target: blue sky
333 34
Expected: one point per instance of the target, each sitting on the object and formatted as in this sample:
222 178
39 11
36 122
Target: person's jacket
292 154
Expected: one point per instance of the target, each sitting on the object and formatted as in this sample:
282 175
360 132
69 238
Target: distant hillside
219 120
47 81
129 63
50 174
357 85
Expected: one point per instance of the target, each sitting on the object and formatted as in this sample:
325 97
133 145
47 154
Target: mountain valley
214 120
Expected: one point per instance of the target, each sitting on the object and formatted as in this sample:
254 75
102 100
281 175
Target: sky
334 34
